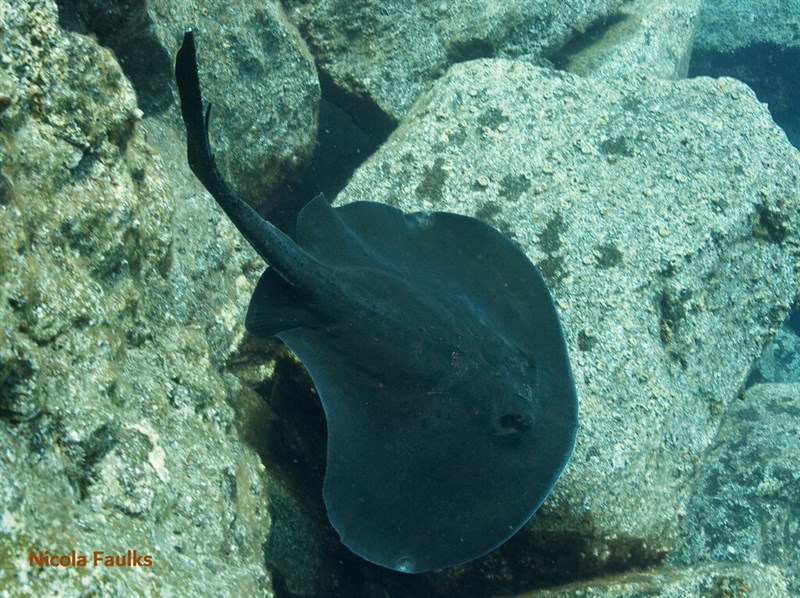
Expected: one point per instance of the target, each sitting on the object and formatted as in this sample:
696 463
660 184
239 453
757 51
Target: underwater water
759 46
772 69
151 445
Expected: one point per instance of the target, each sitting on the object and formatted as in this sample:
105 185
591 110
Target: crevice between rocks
593 34
342 146
351 127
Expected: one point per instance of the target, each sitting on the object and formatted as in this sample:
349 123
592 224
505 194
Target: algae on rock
116 428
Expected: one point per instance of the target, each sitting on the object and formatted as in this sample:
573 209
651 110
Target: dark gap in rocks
341 148
126 29
772 71
470 49
793 321
364 112
350 128
562 57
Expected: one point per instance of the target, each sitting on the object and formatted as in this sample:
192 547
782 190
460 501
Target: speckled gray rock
254 68
648 37
730 25
389 51
663 215
746 504
116 427
716 580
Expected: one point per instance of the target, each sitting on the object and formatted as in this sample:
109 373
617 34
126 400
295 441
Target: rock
746 503
254 68
646 37
116 425
728 26
662 215
382 54
734 580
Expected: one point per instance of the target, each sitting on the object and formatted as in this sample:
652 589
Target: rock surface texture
117 433
137 414
668 239
254 66
390 51
645 36
746 505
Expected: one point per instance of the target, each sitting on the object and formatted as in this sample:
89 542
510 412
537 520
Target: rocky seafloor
136 413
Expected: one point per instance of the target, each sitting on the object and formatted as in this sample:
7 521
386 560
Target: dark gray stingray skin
437 353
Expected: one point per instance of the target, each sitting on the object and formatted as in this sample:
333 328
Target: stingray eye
512 424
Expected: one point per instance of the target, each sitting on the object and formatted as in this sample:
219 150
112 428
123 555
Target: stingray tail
198 148
277 249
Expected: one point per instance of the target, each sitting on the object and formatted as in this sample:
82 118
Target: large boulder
116 427
664 216
254 67
746 503
384 53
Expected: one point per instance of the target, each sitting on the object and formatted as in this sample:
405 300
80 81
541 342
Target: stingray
436 351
